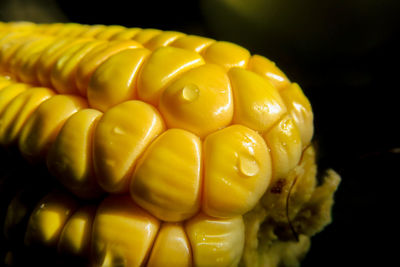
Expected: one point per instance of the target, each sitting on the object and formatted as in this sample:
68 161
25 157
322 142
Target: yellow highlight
200 101
143 36
237 163
121 136
43 126
163 66
127 34
257 103
163 39
167 179
48 219
266 68
7 94
13 118
77 233
171 248
285 145
70 157
226 54
216 242
114 81
192 42
123 233
91 61
108 32
63 75
50 56
25 70
300 109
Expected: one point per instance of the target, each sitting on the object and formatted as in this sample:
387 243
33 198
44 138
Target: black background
353 93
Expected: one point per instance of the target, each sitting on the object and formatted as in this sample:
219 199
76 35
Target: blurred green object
308 31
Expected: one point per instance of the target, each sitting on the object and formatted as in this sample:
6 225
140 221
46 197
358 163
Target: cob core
199 150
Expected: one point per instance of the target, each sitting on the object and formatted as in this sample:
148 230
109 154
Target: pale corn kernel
301 111
77 233
257 103
43 126
171 247
109 31
8 93
48 218
144 35
121 135
18 111
127 34
163 39
63 74
237 163
266 68
114 81
163 66
50 57
70 157
25 69
167 178
92 31
226 54
192 42
123 233
20 53
285 146
216 242
198 104
9 46
91 61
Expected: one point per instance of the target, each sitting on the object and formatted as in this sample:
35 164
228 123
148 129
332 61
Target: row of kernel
166 171
162 68
69 64
116 231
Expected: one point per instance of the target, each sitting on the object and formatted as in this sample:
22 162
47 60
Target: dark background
345 56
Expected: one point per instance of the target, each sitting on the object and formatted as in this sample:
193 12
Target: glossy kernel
43 126
300 109
162 67
266 68
77 233
257 103
237 163
13 118
226 54
91 61
121 136
70 157
285 145
167 178
123 233
196 104
48 218
171 247
216 242
115 80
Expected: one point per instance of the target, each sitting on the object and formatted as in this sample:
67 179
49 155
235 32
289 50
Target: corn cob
181 139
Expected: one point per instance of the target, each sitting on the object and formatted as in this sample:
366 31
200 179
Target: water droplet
118 130
248 165
190 92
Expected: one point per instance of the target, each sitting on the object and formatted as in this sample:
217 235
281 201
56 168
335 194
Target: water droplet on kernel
118 130
190 92
248 165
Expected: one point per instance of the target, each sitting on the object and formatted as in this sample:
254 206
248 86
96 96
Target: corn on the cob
202 141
